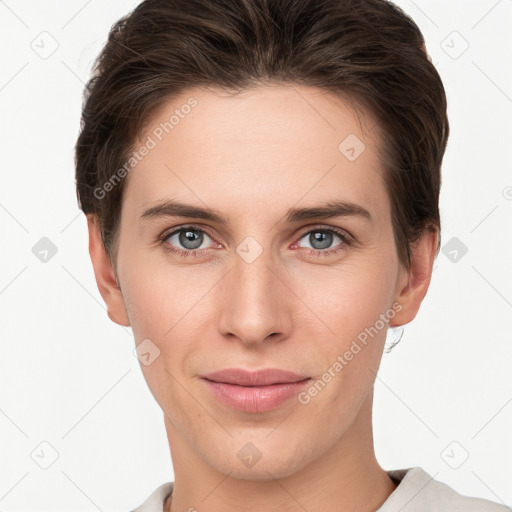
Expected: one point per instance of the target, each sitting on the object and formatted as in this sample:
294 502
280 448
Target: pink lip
259 391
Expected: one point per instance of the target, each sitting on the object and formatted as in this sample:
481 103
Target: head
263 116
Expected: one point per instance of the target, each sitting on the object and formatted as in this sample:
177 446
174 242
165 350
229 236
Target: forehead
279 144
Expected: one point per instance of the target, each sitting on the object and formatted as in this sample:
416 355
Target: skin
252 157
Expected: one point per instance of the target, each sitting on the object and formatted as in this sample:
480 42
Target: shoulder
417 491
155 501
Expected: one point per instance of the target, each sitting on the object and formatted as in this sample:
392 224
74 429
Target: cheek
160 298
163 320
167 307
355 305
348 299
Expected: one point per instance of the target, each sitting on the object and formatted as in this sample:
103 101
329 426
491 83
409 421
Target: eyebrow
326 210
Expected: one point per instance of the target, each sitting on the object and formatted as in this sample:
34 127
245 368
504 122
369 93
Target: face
265 284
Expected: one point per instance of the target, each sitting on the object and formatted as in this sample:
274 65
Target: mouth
265 377
254 392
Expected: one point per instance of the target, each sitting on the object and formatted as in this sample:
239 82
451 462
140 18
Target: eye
186 241
191 241
322 239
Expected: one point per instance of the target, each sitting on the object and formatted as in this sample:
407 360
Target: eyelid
323 227
171 231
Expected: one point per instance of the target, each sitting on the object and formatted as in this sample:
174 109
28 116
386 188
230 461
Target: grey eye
321 238
187 238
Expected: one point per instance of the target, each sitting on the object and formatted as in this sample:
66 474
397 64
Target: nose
254 302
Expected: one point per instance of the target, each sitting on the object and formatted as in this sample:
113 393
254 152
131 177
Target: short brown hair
369 51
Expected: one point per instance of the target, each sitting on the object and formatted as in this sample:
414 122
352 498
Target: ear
105 275
414 283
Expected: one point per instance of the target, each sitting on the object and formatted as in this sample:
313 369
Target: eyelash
347 241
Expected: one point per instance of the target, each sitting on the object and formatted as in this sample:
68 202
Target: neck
346 477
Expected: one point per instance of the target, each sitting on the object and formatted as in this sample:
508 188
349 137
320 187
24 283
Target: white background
68 376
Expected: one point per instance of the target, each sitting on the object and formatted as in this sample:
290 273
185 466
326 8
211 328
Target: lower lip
256 398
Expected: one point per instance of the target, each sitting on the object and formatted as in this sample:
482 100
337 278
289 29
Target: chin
262 473
267 468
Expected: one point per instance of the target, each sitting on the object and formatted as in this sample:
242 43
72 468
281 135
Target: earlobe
105 275
415 282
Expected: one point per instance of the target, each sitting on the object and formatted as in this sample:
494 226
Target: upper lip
264 377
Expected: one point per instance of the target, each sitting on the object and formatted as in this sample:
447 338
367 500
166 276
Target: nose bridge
253 302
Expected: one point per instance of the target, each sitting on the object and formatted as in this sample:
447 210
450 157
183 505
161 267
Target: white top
417 491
